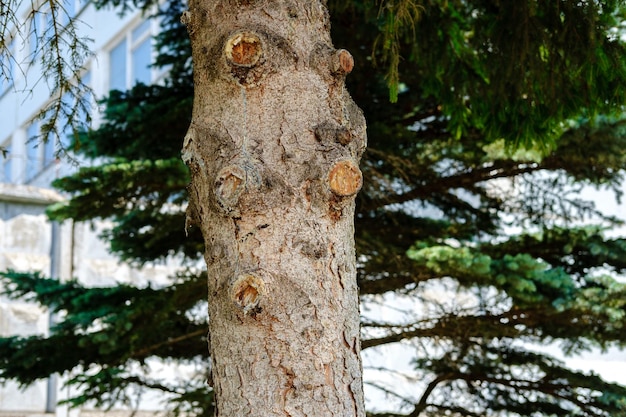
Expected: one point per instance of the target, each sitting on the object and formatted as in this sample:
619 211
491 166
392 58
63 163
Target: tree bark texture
273 148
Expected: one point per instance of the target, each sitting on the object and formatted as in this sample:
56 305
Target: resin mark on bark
243 49
345 178
244 54
247 292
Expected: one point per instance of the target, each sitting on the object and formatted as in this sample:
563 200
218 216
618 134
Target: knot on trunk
244 53
247 292
243 49
342 62
230 183
336 62
345 178
328 132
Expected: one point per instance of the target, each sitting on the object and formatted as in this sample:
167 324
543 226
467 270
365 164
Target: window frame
133 41
8 62
6 162
33 152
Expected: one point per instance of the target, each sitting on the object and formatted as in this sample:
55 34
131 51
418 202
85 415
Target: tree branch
422 404
147 350
499 169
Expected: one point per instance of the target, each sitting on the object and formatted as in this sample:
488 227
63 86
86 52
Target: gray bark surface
273 149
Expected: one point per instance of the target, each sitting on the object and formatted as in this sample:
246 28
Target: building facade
121 52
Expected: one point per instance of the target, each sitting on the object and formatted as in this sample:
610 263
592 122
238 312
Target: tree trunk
273 149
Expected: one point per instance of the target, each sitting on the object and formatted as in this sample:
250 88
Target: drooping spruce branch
57 55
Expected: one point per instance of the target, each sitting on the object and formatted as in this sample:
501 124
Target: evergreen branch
457 411
503 169
144 352
423 402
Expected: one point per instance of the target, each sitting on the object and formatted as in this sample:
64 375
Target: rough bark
273 148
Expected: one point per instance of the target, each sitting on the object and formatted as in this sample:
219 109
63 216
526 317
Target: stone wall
25 245
30 242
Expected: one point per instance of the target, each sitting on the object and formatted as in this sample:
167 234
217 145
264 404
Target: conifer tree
470 213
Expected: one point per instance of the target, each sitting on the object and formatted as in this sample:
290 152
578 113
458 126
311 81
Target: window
49 19
142 54
130 59
33 161
39 154
117 71
80 113
35 33
48 151
141 63
6 163
68 11
64 127
7 67
84 112
41 22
